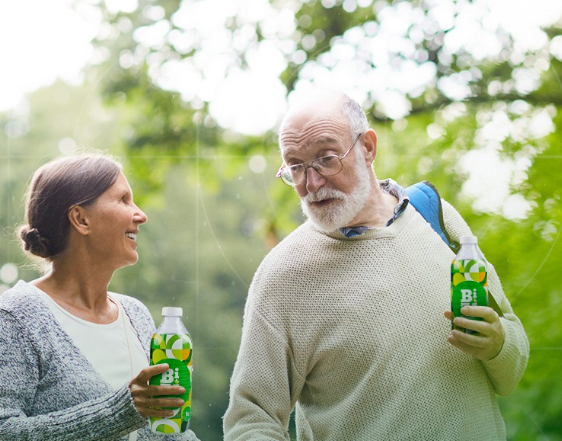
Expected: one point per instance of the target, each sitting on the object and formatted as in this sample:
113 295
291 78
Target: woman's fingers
147 373
148 412
154 391
160 402
158 407
149 400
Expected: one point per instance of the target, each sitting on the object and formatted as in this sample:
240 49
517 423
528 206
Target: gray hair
357 119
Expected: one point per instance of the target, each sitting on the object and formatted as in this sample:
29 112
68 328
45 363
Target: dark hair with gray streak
55 188
357 119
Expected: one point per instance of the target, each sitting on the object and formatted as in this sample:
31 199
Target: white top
114 350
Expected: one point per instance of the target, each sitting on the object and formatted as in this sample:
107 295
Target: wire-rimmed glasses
329 165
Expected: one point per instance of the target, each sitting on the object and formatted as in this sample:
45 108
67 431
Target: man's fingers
459 343
469 339
473 325
488 337
488 314
485 312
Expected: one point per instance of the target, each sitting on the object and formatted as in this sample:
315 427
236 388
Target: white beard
345 207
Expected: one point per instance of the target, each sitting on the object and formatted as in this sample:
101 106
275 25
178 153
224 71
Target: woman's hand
145 397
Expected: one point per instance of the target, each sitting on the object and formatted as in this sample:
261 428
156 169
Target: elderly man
344 318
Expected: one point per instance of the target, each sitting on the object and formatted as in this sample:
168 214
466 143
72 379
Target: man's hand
489 338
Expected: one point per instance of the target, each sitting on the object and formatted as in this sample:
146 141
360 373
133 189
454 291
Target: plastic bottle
469 279
171 344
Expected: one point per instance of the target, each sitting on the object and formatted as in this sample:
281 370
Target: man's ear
78 218
370 144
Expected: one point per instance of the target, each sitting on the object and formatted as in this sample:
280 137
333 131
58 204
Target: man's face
330 202
331 209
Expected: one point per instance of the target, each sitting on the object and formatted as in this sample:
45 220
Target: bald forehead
316 119
316 103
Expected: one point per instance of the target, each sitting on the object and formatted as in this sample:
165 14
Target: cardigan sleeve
506 369
265 383
108 417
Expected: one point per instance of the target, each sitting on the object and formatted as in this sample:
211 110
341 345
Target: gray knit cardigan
49 390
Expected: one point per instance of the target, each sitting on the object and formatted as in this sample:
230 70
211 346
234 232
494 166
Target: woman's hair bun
54 189
34 242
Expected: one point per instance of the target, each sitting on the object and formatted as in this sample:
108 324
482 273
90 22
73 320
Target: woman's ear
78 218
370 144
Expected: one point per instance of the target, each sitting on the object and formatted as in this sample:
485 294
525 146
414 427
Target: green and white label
469 286
175 350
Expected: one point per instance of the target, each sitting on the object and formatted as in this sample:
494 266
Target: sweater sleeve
506 369
265 383
108 417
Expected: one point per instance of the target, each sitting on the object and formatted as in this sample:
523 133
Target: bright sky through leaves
374 62
40 41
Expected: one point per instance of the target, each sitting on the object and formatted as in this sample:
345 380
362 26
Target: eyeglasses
330 165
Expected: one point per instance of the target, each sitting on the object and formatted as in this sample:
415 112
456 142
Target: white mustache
322 194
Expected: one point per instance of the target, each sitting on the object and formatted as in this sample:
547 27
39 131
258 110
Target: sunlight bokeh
41 41
374 64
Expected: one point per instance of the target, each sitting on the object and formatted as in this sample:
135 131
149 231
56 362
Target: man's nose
314 180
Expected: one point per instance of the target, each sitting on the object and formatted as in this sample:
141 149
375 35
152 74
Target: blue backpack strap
425 198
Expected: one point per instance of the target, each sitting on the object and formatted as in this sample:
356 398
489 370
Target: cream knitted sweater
352 333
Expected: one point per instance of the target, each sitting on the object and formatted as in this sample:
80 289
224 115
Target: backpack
425 198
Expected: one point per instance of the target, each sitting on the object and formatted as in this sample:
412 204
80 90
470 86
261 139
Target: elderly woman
73 356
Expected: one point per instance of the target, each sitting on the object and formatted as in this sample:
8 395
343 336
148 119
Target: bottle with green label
172 345
469 279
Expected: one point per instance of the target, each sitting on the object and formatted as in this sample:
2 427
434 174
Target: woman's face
115 221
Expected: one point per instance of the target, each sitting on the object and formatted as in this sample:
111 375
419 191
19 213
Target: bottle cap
469 239
174 312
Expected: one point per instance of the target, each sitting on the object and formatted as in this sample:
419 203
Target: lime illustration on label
175 350
469 287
